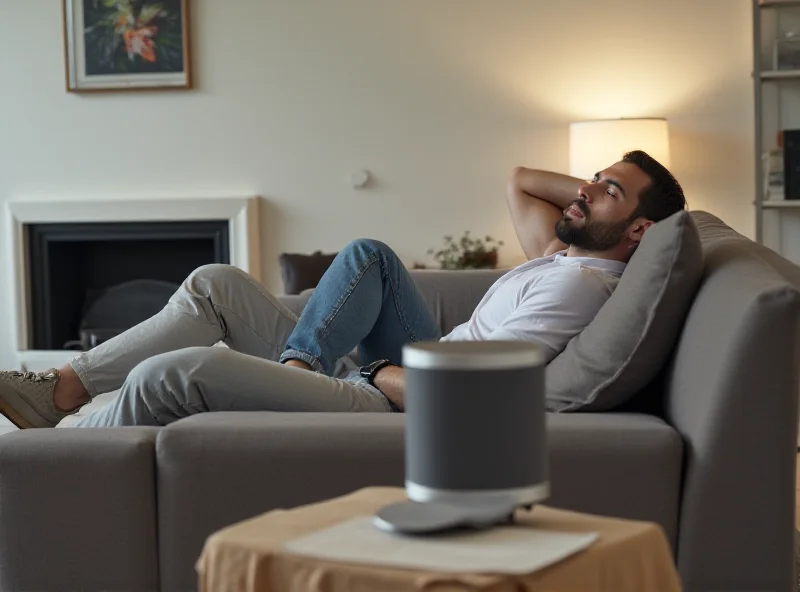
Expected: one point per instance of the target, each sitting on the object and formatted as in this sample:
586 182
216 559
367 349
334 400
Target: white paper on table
503 549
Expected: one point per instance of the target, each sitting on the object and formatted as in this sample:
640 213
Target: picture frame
122 45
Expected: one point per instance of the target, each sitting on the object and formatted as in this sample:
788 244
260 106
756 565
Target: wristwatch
370 370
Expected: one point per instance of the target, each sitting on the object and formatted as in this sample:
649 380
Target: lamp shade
596 145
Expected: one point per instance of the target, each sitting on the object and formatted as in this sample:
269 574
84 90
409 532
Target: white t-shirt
546 301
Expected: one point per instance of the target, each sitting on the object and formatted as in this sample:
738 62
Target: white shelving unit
789 203
778 3
780 75
777 108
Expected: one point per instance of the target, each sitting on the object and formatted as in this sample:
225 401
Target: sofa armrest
732 395
78 510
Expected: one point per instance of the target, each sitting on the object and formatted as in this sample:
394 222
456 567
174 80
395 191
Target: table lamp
596 145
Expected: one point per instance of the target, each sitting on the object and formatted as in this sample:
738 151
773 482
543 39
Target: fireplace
91 281
66 255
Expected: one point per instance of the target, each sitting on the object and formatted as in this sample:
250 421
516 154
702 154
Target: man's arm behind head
537 200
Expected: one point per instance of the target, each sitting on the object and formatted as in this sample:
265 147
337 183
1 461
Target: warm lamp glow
596 145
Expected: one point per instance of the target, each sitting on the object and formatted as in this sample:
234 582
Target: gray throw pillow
636 330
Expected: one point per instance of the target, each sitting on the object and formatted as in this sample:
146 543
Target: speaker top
471 355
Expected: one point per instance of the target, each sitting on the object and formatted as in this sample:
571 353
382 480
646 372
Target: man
578 236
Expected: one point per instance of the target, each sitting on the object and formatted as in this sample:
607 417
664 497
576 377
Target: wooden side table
248 557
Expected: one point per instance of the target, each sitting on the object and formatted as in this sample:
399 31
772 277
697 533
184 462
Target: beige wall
438 98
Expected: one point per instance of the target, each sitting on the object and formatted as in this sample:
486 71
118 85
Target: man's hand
537 200
390 380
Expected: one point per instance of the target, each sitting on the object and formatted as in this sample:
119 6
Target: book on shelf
773 175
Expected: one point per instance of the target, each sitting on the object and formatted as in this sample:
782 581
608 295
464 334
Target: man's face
601 216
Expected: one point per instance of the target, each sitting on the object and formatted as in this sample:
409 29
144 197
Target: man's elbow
523 181
515 182
517 174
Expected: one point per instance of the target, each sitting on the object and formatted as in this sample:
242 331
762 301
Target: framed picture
127 44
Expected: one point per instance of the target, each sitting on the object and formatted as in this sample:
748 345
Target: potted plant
467 252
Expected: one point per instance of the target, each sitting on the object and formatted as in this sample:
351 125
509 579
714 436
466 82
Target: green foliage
467 252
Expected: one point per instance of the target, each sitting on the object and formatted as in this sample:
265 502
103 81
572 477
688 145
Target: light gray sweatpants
167 368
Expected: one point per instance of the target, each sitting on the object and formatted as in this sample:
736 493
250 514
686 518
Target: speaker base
411 517
516 497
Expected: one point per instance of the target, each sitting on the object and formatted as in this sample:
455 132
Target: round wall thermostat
359 179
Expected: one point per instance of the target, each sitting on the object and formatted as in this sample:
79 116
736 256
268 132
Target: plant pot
479 260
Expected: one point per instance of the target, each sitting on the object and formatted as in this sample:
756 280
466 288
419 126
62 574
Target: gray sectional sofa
707 451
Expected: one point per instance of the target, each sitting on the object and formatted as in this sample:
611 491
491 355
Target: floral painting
119 44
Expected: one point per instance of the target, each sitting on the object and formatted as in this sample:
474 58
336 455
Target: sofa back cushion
715 234
452 296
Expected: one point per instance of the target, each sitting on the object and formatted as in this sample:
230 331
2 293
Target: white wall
438 98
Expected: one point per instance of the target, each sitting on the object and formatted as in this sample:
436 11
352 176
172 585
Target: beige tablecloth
629 556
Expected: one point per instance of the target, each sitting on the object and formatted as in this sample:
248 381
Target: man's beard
591 236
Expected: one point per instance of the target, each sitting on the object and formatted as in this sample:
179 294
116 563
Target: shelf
781 74
778 3
778 204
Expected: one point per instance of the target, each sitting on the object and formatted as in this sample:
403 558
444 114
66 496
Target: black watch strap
370 370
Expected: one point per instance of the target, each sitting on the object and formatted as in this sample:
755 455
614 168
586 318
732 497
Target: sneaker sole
20 412
14 417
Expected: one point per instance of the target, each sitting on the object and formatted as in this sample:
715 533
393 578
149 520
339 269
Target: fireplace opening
91 281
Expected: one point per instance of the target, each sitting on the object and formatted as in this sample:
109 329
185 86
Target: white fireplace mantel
240 212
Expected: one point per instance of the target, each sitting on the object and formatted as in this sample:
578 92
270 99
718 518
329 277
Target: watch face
369 371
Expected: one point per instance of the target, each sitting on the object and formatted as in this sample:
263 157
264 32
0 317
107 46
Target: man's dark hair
663 196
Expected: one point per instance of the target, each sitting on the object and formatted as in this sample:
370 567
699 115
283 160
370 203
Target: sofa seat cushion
620 464
235 465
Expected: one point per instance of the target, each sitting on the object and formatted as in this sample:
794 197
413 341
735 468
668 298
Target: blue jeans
367 300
